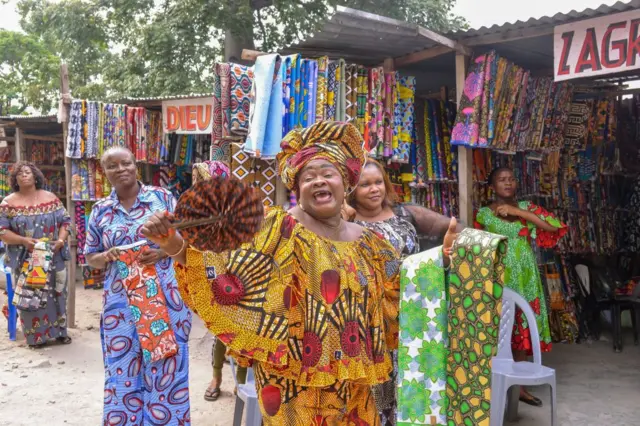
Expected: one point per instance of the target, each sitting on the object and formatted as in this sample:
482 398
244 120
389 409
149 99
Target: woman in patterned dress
522 222
374 205
310 300
137 391
26 216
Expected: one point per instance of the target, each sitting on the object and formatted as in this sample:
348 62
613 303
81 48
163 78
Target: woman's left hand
505 210
151 256
449 239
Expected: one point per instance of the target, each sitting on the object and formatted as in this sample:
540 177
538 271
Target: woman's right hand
111 255
158 230
29 243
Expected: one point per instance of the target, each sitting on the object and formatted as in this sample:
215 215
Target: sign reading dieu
188 116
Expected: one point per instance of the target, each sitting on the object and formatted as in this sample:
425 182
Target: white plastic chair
247 395
506 372
583 275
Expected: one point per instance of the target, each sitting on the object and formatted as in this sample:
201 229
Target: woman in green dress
521 222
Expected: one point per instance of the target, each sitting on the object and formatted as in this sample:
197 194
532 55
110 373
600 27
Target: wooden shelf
41 138
45 167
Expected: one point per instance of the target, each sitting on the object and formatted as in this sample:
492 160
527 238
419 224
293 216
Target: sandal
212 394
64 340
38 346
531 400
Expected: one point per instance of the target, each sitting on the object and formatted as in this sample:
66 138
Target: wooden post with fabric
465 154
65 102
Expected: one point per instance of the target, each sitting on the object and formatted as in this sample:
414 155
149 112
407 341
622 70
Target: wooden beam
507 36
435 37
42 138
420 56
251 55
65 95
465 154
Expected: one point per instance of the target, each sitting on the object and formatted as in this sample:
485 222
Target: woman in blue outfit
136 392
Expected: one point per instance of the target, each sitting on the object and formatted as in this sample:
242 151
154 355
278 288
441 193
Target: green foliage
131 48
26 67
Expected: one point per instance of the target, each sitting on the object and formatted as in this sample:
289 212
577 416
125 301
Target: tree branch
260 4
262 30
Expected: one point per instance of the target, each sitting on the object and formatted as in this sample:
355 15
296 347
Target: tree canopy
118 48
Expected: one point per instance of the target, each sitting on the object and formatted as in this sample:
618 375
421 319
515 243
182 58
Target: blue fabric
312 84
274 134
156 393
263 83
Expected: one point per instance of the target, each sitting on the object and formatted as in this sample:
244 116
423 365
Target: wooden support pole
73 238
465 154
18 145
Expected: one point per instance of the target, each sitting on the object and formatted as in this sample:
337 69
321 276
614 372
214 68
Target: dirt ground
63 384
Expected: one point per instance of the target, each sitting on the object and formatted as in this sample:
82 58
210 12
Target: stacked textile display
95 127
291 92
5 188
503 107
45 153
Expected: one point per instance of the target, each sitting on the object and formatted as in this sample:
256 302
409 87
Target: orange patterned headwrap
339 143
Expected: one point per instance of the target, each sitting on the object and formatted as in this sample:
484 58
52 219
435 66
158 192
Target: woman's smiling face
120 168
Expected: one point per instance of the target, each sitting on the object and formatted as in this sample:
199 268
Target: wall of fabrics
163 159
503 107
411 136
562 143
5 187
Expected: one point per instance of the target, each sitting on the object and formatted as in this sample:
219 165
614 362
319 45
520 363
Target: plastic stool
506 372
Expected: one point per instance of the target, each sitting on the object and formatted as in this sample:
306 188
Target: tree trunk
233 45
242 38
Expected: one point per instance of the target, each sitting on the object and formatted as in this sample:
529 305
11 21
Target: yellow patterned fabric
476 281
339 143
306 310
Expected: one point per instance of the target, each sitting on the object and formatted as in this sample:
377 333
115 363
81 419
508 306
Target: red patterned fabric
148 305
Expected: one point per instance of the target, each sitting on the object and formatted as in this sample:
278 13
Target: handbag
36 278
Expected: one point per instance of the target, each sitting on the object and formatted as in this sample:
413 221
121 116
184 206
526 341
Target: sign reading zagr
188 116
606 45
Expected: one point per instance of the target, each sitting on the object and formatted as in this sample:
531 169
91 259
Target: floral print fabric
422 351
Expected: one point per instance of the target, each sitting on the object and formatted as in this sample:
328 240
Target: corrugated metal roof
546 21
365 38
165 98
28 117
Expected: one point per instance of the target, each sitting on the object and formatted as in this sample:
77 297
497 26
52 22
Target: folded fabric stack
504 108
95 127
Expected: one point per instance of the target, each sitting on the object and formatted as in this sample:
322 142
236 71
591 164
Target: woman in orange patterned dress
309 303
